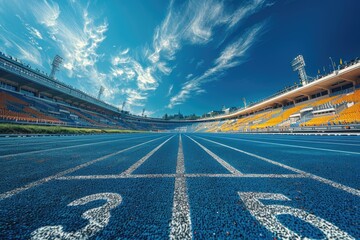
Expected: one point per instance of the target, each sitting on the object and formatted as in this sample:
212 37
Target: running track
180 186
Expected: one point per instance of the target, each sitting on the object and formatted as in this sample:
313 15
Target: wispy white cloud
170 90
162 66
247 9
233 55
126 67
46 13
206 16
77 36
23 49
199 63
33 31
134 98
33 34
194 22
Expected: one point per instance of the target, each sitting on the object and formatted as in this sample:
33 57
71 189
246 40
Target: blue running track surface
180 186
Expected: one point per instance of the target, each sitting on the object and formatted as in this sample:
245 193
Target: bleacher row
16 107
343 109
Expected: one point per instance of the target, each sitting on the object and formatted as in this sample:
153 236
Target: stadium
284 165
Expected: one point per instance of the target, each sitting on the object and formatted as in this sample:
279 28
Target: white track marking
320 179
305 141
22 144
191 175
180 226
295 146
223 163
67 147
98 219
267 216
116 176
195 175
60 174
131 169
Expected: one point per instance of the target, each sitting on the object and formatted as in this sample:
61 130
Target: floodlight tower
123 105
244 101
298 64
56 65
101 90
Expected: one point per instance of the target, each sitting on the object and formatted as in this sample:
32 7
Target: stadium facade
324 103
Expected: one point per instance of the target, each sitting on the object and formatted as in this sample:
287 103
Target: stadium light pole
55 65
298 64
332 63
101 91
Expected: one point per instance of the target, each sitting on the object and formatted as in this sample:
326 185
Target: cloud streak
233 55
190 23
71 30
78 37
194 23
25 51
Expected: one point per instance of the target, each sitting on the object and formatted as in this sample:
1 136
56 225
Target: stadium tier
27 96
18 108
342 109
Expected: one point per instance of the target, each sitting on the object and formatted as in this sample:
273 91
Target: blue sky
193 56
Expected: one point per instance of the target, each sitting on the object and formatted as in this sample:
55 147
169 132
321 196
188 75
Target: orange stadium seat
351 97
318 121
348 116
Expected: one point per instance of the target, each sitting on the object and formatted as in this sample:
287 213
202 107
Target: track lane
310 175
339 167
316 146
15 152
17 180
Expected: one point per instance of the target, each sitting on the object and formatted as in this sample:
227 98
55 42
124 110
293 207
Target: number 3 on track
98 218
266 215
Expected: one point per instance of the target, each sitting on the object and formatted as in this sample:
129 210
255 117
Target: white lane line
116 176
67 147
60 174
223 163
180 226
305 141
61 141
295 146
320 179
190 175
131 169
180 164
196 175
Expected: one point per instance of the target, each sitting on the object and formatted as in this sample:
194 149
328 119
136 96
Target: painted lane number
98 218
267 216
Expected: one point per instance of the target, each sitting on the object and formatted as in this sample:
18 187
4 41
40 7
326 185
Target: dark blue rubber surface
337 166
145 212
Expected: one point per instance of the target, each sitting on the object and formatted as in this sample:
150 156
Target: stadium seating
327 110
350 115
343 109
283 116
16 109
318 121
351 97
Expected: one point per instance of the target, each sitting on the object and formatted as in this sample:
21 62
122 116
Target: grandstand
332 101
